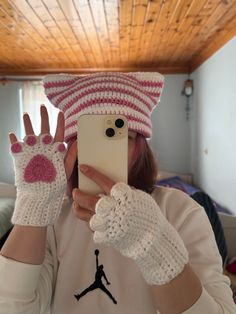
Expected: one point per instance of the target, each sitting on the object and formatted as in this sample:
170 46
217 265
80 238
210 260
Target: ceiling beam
164 70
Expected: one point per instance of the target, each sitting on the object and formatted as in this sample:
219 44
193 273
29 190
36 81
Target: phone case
99 149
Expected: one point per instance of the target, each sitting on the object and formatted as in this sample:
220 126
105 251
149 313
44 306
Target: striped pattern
134 95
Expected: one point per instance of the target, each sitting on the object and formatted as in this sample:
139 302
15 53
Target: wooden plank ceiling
171 36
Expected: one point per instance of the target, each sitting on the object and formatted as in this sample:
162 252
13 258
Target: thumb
70 159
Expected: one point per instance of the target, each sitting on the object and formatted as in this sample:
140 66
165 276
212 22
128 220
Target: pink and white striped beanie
133 95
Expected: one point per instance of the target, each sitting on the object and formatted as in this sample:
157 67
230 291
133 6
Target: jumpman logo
98 282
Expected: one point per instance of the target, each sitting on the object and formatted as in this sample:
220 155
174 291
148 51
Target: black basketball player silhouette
98 282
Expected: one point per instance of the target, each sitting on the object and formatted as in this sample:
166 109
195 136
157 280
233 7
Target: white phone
102 144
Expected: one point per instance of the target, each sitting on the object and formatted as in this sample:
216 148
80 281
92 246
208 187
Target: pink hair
143 171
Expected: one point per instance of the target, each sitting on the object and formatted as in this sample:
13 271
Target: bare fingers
12 138
82 213
28 129
27 124
85 200
60 130
84 205
45 128
102 180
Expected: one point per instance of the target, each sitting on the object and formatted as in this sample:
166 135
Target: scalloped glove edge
131 221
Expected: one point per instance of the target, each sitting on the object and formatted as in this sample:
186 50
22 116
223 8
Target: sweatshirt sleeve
26 288
194 227
207 304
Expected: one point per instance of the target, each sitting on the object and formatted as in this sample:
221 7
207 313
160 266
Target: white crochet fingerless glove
131 221
40 180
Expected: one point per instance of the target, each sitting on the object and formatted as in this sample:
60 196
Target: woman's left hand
84 204
131 221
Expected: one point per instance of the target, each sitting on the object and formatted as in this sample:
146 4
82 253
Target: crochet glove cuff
131 221
40 180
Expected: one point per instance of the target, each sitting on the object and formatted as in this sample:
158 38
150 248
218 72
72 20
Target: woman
135 249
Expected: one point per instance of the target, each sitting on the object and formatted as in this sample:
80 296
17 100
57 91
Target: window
32 96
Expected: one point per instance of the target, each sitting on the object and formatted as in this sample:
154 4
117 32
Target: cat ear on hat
57 84
51 79
150 82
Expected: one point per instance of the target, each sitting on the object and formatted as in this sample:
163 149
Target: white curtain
32 97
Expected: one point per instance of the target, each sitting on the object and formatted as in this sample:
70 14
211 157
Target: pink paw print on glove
40 167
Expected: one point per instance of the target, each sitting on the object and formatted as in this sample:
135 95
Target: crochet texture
40 180
131 221
134 95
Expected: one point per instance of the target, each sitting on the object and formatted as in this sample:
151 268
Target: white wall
171 130
213 141
9 122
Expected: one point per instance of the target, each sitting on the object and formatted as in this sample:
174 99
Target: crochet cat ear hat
133 95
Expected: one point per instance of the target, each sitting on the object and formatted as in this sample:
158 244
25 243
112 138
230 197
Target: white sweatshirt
70 267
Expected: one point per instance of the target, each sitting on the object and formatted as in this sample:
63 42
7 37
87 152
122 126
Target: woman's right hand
42 168
71 154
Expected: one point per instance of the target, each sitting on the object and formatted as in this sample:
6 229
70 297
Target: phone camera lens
110 132
119 123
